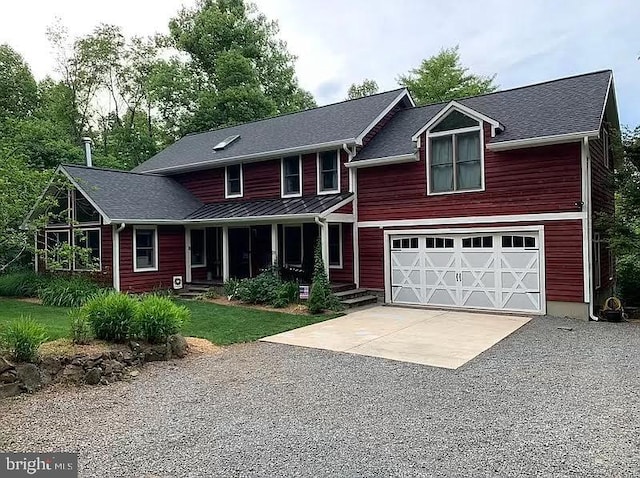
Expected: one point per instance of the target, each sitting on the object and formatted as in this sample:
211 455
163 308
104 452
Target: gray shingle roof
268 207
124 195
332 123
564 106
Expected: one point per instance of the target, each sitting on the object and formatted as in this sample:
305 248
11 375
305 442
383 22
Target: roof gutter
248 158
366 163
542 141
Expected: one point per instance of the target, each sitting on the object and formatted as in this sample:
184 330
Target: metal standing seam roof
269 207
338 122
564 106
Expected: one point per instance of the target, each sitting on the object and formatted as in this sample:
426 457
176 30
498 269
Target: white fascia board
250 158
454 105
332 209
366 163
542 141
382 114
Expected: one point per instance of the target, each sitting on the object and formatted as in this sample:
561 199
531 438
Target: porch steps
355 298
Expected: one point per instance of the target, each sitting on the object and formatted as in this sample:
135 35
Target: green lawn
220 324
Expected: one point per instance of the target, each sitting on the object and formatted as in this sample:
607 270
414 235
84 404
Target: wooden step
350 294
341 287
359 301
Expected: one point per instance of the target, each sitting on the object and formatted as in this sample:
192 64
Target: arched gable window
455 154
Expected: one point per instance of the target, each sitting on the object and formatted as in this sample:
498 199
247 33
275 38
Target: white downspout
116 255
589 228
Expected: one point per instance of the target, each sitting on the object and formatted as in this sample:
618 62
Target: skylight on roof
226 142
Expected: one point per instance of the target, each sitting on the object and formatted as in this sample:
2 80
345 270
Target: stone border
92 369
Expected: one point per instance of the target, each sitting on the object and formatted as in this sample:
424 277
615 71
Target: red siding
345 274
603 204
381 124
309 175
563 257
261 180
208 185
535 180
107 255
170 260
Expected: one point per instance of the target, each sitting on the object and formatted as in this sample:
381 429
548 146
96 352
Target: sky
339 42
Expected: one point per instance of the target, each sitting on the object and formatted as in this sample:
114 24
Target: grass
221 324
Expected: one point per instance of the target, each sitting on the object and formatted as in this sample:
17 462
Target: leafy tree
247 72
18 89
366 88
443 78
321 297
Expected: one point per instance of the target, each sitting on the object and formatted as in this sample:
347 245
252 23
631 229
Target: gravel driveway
544 401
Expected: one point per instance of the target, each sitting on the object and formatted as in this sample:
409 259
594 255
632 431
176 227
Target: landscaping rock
52 365
134 373
5 365
93 376
72 373
10 390
178 345
8 377
156 353
29 376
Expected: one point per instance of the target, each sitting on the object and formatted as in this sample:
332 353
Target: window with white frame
59 212
455 154
145 249
293 245
57 250
233 181
292 176
83 211
87 255
606 148
335 246
198 249
328 172
597 264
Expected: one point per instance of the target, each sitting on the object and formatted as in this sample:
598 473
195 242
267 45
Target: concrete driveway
429 337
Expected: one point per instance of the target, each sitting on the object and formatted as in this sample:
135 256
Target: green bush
267 288
628 280
21 284
157 318
287 293
231 287
80 328
67 291
321 297
22 338
111 315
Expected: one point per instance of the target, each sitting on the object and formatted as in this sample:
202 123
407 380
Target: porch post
187 254
225 253
324 242
274 244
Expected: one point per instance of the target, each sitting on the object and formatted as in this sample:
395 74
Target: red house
484 203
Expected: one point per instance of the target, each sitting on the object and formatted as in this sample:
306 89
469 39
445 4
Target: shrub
111 315
20 284
231 287
22 339
157 318
320 297
80 329
67 291
267 288
287 293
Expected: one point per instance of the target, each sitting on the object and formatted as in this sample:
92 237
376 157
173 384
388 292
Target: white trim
541 141
453 134
282 181
106 218
225 253
340 241
226 182
204 255
84 229
555 216
156 246
318 175
187 254
332 209
249 158
597 263
284 244
470 230
355 235
385 112
606 157
606 99
339 217
115 247
46 247
274 244
366 163
454 105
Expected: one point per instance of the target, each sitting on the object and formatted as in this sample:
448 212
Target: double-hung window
145 249
87 255
328 172
291 176
57 247
233 181
83 211
455 154
335 246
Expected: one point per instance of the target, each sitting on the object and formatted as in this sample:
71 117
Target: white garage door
482 271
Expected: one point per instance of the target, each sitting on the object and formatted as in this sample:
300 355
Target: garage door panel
521 301
440 296
408 295
479 299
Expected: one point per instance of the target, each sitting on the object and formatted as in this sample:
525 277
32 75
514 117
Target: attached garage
480 269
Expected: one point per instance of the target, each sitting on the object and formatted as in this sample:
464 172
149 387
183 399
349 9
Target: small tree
320 298
360 90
